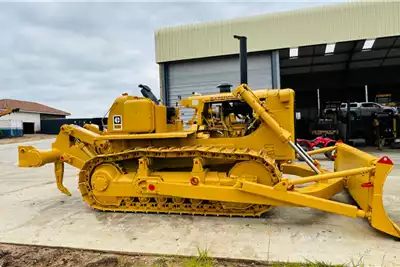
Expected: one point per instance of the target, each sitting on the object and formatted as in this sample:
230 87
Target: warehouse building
340 52
29 115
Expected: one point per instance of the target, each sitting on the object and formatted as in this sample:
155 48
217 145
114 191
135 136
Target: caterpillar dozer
237 157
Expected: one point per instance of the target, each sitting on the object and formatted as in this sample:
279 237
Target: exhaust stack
242 58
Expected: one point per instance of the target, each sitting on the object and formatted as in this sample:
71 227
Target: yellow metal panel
326 24
379 218
145 136
301 170
138 116
303 200
349 158
215 193
189 103
161 118
322 189
117 110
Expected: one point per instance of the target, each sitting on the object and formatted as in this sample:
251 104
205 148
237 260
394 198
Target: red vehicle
317 143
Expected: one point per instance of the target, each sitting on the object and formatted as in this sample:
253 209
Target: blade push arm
244 92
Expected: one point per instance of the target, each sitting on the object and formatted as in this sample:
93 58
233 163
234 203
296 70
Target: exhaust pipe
242 58
224 87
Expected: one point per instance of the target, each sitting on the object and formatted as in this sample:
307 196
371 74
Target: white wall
6 124
25 117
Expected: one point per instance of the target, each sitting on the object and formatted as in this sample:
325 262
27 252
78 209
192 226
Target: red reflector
151 187
367 185
125 94
339 141
194 181
385 160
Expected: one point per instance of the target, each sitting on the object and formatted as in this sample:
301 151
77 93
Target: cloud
79 57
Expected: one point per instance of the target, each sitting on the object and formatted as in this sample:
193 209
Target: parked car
362 109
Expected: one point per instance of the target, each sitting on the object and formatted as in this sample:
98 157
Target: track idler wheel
102 176
255 170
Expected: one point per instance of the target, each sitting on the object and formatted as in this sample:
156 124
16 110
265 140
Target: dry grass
202 260
26 256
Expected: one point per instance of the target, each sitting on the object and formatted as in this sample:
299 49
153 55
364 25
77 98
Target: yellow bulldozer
234 159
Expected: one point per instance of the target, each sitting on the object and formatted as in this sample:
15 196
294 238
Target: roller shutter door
203 76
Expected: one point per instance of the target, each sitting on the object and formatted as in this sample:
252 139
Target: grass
202 260
306 264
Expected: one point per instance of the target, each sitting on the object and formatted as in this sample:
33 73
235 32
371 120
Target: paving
33 211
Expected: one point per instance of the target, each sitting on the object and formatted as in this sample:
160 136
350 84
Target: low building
30 113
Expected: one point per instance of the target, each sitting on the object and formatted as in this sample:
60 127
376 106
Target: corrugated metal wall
203 76
332 23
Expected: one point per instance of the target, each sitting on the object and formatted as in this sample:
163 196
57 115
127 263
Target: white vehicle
361 109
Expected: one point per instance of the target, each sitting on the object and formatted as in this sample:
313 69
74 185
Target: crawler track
168 204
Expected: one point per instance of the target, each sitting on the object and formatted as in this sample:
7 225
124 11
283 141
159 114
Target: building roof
348 55
30 107
318 25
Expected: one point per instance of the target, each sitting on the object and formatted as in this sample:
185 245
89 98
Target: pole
348 130
318 103
276 75
366 93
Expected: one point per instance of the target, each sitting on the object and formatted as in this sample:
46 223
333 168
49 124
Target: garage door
203 76
28 128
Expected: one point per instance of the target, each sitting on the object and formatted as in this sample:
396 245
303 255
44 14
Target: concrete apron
33 211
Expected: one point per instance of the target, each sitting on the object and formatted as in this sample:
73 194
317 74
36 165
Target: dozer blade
367 190
363 175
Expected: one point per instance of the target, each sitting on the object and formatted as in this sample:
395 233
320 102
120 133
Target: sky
78 57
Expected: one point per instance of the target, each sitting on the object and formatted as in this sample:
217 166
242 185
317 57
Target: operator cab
223 115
